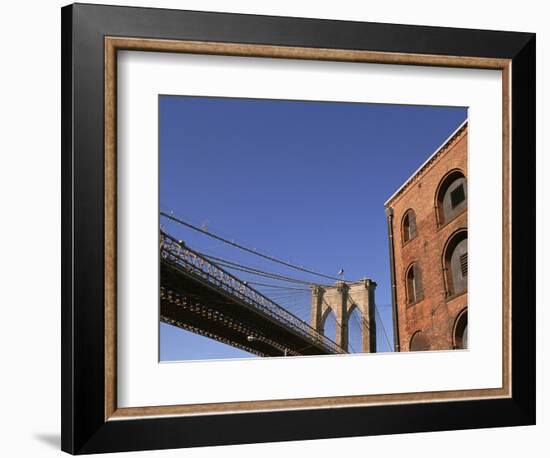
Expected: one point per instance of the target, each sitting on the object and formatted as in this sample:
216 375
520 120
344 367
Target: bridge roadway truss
199 296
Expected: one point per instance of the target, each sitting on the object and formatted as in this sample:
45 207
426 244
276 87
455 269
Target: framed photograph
281 228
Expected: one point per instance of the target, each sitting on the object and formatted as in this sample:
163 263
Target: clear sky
305 182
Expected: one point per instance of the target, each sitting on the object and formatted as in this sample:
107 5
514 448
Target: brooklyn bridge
203 294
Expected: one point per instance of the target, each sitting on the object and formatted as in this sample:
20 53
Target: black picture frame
84 427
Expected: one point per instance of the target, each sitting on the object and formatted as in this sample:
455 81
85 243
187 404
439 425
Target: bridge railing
177 253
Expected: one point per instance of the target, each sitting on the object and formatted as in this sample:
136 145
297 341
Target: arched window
419 342
409 226
451 197
456 263
460 332
413 280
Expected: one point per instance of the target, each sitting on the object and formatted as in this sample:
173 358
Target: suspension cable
249 250
253 270
267 285
383 327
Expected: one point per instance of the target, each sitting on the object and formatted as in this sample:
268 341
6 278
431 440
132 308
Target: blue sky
303 181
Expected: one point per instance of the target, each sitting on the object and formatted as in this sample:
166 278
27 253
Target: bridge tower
341 299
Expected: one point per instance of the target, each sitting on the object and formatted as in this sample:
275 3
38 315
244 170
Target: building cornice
442 149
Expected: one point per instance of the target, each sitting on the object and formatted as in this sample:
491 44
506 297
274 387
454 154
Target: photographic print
294 228
277 224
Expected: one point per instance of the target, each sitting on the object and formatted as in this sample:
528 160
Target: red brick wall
435 314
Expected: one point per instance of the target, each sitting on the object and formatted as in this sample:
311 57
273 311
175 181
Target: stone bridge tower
342 299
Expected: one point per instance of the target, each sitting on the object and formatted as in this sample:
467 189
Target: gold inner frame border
114 44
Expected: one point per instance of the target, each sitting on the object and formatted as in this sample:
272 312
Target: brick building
428 234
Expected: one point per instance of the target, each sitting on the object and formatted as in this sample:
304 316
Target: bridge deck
199 296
